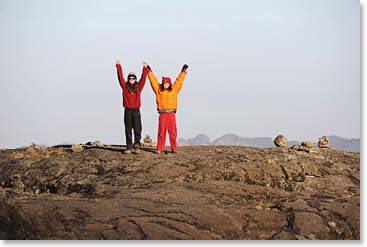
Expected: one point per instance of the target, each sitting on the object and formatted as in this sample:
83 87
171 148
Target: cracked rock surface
203 192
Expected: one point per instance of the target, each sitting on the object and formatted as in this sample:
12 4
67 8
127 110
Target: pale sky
256 68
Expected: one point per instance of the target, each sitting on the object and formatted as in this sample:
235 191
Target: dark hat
131 74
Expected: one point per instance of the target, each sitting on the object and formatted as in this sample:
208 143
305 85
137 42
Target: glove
184 68
149 68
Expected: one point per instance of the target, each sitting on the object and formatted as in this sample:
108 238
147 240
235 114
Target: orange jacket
166 100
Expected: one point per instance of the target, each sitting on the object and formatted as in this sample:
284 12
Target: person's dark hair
169 88
132 87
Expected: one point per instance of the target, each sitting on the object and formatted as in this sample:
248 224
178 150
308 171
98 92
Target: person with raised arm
166 98
131 91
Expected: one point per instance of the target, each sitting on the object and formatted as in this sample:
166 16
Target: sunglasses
132 78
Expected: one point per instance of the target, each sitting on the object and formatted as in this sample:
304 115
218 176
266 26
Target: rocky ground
202 192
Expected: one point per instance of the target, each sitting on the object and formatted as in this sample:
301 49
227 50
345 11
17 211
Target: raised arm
120 75
153 80
143 77
179 81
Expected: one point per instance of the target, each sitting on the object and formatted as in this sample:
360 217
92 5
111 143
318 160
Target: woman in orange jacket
166 97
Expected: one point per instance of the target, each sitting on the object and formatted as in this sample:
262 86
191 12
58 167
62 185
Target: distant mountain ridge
351 145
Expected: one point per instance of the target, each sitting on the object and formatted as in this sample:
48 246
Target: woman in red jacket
131 91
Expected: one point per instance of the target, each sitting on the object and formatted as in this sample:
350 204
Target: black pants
132 121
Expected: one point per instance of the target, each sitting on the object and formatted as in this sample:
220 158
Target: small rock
324 139
33 147
291 156
18 155
303 148
58 151
280 141
30 149
153 144
300 148
311 236
295 147
332 224
95 144
313 150
77 148
258 207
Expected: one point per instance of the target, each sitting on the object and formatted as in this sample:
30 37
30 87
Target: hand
184 68
149 68
117 61
145 64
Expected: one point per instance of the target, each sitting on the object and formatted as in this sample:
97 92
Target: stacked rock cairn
147 142
323 142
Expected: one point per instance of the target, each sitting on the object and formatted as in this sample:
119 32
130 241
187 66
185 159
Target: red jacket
131 99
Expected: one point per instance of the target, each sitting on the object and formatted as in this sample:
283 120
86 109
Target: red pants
167 121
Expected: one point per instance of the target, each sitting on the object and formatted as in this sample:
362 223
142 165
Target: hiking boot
136 151
127 151
173 151
137 145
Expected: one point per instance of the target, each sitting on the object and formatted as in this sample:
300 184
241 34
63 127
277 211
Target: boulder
76 148
280 141
307 144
